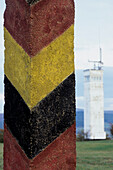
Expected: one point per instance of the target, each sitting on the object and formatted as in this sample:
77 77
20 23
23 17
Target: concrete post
39 85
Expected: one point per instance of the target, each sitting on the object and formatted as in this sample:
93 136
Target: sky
2 7
93 29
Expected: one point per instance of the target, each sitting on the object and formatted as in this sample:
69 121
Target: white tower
94 103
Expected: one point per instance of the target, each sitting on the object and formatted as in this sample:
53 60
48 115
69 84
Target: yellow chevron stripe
17 66
36 77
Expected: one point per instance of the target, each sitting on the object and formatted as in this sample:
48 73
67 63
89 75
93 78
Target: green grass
95 155
1 156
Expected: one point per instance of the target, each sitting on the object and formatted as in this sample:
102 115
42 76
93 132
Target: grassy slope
1 156
96 155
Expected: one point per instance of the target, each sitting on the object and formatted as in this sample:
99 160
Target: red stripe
34 27
14 156
60 154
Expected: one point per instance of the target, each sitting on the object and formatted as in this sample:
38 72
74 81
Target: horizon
104 110
91 32
80 109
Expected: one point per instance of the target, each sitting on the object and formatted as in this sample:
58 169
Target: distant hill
1 121
108 119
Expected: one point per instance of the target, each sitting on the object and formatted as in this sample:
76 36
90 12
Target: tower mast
97 64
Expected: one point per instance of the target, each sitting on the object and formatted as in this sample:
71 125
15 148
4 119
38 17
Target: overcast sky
2 7
93 24
94 29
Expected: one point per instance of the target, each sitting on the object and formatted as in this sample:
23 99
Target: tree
1 135
111 130
81 136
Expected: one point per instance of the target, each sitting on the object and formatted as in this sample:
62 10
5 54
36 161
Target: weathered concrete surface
43 123
39 85
60 154
34 27
36 77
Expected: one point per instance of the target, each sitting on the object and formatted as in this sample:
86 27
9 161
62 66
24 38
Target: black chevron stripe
36 128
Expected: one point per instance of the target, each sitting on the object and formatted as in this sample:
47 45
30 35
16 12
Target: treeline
1 135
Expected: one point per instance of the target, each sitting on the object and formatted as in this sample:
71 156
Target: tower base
97 136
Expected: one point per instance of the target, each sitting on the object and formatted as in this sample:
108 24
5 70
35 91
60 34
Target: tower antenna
99 63
100 55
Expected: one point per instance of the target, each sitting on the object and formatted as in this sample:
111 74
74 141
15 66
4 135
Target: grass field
95 155
91 155
1 156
